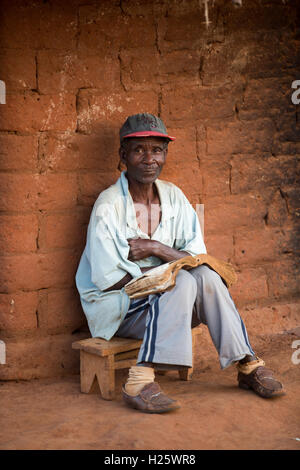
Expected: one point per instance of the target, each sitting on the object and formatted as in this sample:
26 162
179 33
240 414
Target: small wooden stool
100 358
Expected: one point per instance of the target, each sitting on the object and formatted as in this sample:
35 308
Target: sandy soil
215 413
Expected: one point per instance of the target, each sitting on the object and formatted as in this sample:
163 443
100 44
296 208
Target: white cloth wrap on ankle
249 367
139 376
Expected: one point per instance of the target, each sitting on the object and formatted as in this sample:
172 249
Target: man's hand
141 248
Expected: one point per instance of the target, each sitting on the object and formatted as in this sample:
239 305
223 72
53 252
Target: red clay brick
216 177
175 66
220 246
277 214
227 213
92 184
99 152
257 172
259 17
180 66
18 192
56 191
257 246
98 35
187 177
47 356
183 26
133 71
38 271
283 276
240 137
251 286
18 70
18 312
183 150
59 268
64 311
266 97
68 230
292 197
146 8
267 61
271 319
180 105
182 161
201 141
78 151
18 152
285 148
18 233
46 191
38 25
223 63
286 140
29 112
67 72
59 152
185 30
97 111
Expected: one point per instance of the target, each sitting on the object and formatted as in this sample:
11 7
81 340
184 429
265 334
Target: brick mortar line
42 332
46 290
42 252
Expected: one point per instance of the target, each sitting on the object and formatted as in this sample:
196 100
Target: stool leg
87 372
106 377
186 374
96 369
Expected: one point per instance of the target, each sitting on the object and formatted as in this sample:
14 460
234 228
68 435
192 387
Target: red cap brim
149 134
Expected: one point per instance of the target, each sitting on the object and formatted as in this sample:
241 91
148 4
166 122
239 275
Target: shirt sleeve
107 248
188 231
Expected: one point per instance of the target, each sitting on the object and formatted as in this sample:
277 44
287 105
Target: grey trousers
164 320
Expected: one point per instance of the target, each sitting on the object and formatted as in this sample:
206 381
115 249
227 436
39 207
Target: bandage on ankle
249 367
138 377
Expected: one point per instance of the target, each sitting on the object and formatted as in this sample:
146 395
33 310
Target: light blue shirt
104 261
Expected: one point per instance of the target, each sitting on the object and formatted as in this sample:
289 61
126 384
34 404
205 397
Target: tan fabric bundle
163 277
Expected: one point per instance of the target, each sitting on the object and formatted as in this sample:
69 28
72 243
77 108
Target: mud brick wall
73 72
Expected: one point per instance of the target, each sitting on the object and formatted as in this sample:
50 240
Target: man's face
144 158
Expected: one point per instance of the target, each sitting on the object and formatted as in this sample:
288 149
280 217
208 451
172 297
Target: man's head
144 146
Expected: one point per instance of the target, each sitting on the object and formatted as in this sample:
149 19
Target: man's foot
150 400
261 381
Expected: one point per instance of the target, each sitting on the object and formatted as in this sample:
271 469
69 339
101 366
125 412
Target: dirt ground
215 413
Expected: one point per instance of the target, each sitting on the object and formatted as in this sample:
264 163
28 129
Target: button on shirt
104 261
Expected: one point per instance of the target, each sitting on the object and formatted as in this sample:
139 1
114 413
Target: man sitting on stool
136 224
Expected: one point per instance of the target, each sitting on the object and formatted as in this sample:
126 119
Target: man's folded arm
125 280
164 252
107 251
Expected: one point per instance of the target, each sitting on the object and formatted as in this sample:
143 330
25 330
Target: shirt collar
164 196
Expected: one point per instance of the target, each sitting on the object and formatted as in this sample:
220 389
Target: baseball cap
144 125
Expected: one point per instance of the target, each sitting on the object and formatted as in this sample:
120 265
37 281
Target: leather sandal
262 382
150 400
